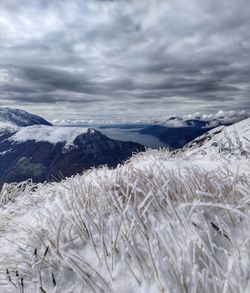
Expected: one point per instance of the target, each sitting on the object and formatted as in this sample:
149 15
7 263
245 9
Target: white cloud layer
125 58
213 120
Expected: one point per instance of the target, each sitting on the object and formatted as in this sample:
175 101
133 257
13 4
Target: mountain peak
20 118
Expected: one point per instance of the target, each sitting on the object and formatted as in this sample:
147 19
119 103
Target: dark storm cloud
126 56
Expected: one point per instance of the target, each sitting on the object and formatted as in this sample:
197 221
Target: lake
127 132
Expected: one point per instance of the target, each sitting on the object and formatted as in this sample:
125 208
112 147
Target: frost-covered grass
159 223
228 142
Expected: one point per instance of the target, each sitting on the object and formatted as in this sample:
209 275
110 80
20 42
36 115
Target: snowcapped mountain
20 118
178 131
11 120
30 147
161 222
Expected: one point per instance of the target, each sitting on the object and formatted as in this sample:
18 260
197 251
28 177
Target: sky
124 59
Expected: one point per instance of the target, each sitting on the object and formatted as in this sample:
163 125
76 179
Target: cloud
219 118
213 120
137 57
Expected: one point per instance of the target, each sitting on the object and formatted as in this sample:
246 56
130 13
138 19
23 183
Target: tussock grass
135 228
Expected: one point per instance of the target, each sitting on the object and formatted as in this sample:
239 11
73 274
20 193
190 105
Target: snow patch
230 140
7 126
20 117
51 134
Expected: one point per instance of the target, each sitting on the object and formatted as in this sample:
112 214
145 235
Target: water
127 132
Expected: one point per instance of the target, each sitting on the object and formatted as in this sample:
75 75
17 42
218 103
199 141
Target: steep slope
31 148
177 131
20 118
11 120
52 153
231 141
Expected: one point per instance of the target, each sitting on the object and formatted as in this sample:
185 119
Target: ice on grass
162 222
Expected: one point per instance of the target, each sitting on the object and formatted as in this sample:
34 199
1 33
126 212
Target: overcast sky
133 58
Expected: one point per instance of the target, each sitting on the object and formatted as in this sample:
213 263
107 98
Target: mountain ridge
21 118
32 148
177 131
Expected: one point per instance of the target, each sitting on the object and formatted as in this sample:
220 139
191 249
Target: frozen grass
143 227
228 142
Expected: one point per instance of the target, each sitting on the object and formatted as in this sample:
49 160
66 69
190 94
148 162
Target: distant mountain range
177 137
30 147
176 132
172 133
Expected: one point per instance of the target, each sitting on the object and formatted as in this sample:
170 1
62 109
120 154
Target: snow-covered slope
20 118
32 148
12 120
162 222
8 126
53 135
176 132
48 153
231 141
32 127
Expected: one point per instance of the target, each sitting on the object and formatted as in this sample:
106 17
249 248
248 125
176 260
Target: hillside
31 148
230 141
21 118
176 132
162 222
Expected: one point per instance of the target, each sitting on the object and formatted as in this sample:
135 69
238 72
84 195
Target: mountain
223 141
11 120
25 157
162 222
43 152
177 132
20 118
177 136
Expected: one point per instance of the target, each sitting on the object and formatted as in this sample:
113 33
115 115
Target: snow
20 117
162 222
181 164
226 145
51 134
8 126
10 119
230 140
